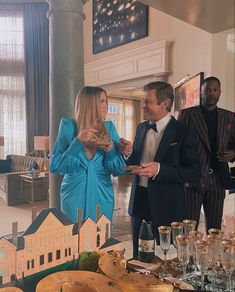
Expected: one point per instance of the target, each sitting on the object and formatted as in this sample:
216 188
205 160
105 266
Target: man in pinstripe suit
215 129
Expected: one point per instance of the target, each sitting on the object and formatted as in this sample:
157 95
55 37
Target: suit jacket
178 158
193 117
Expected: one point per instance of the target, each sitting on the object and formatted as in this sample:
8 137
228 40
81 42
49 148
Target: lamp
42 143
1 141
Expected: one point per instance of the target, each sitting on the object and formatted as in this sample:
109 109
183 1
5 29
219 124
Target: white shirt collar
161 124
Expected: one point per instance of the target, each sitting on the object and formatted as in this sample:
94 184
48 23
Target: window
49 257
28 265
32 264
98 240
12 88
66 252
69 251
41 260
125 114
58 254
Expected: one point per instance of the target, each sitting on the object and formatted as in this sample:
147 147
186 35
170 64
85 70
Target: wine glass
177 228
165 239
202 248
183 255
189 225
228 260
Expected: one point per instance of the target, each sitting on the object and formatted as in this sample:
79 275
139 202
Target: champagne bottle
146 243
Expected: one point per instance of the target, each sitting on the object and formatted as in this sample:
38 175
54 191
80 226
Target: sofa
10 180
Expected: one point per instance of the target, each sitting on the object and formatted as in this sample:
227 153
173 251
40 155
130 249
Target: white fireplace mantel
146 63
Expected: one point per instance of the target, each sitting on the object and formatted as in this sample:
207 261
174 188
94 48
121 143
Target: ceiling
210 15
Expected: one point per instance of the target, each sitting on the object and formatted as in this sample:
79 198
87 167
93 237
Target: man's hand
149 169
226 155
125 147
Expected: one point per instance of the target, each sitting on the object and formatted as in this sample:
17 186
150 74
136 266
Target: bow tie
153 127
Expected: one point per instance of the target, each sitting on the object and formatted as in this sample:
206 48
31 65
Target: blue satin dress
86 182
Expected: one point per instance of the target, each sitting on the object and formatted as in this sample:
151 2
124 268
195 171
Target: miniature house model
51 240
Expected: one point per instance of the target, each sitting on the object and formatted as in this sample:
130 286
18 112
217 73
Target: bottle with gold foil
146 243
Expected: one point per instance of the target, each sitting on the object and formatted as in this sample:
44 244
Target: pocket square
172 144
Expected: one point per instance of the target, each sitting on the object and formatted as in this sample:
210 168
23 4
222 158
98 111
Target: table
38 186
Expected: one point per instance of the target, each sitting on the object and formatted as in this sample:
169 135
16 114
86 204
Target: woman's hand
87 136
108 147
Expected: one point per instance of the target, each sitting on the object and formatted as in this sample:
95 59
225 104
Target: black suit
165 196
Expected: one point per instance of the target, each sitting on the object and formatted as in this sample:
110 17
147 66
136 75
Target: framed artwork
187 94
118 22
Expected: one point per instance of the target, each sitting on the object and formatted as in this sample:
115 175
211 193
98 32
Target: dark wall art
117 22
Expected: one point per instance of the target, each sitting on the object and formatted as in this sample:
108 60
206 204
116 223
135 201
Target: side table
41 182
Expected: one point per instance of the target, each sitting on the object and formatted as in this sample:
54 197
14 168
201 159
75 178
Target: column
66 69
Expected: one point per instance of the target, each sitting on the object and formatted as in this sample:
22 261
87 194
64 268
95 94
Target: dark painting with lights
117 22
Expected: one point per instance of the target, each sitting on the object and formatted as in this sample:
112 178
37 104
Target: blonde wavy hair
87 108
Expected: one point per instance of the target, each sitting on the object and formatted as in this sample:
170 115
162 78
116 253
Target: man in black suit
167 154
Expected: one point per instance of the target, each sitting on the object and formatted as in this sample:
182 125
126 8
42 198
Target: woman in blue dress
87 167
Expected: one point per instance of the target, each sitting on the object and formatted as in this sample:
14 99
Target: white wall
193 50
223 63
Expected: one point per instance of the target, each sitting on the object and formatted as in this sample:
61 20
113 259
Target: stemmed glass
214 241
202 248
231 234
228 260
165 239
216 232
177 228
189 225
193 236
183 255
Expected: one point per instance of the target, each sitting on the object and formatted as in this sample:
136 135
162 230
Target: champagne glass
214 241
231 234
228 260
183 255
218 233
202 259
189 225
165 239
177 228
193 236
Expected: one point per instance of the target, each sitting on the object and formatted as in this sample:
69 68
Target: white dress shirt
151 143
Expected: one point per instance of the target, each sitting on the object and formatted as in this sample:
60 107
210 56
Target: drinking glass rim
164 229
177 225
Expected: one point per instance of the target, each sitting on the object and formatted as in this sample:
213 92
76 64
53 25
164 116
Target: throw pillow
5 165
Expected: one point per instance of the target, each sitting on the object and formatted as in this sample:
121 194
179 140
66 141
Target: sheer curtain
12 83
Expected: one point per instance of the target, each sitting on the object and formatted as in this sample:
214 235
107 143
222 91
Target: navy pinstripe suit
210 192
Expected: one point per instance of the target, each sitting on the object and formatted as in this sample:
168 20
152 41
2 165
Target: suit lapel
200 126
221 130
167 138
141 138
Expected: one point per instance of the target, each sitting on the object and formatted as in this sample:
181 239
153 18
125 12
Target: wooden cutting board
10 289
112 266
77 281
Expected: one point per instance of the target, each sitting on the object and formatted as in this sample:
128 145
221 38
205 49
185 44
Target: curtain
12 87
36 47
